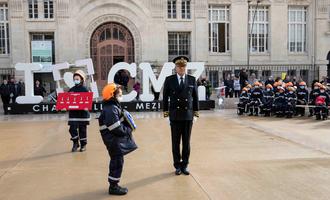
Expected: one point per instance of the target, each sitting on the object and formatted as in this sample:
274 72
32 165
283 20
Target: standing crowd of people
11 89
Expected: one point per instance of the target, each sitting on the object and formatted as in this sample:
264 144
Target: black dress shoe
75 147
185 171
117 190
178 171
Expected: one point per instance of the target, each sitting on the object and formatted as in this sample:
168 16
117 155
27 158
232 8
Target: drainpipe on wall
314 40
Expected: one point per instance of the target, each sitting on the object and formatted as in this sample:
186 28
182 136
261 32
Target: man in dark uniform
180 99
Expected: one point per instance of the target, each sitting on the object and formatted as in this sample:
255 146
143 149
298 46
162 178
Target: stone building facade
286 36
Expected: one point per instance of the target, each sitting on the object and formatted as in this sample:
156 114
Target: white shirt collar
179 77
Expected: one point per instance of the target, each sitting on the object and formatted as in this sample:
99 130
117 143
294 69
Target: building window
297 29
4 29
171 9
43 37
33 9
259 33
185 9
178 44
49 9
219 21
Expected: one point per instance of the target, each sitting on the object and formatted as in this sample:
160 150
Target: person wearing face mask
268 100
256 99
280 102
5 95
78 119
321 104
302 98
291 99
312 96
243 101
116 134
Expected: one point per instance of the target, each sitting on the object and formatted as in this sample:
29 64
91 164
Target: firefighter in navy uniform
291 100
280 102
312 96
302 98
256 99
180 99
244 100
268 100
78 119
116 134
321 104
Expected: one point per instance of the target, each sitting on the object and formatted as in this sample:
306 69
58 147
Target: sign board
42 52
74 101
134 106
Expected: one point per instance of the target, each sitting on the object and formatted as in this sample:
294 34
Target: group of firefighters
284 100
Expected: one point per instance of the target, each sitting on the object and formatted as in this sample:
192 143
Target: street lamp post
249 32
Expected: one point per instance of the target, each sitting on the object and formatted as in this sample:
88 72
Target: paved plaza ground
232 158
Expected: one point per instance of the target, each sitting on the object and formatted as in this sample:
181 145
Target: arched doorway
110 43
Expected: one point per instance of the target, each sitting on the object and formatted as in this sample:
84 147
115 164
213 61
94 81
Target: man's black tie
181 83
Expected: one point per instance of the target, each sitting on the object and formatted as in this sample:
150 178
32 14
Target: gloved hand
196 114
166 114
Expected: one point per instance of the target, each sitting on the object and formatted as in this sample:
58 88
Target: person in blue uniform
321 104
256 99
312 97
280 102
180 99
116 132
268 100
302 98
78 119
244 100
291 100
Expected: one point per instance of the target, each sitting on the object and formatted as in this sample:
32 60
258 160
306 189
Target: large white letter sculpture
90 71
199 67
167 71
148 77
148 74
28 69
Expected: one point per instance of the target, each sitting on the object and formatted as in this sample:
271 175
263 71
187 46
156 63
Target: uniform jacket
116 134
244 98
256 95
79 117
302 96
280 99
181 103
291 98
268 97
314 93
